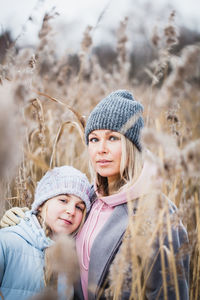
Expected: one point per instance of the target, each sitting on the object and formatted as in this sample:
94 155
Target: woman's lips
103 162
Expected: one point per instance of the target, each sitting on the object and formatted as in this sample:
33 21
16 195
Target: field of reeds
45 100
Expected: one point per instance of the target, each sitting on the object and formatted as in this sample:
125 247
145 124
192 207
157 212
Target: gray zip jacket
104 252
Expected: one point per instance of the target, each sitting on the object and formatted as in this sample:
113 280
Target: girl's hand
11 216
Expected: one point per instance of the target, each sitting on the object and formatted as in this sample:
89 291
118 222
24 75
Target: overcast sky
76 14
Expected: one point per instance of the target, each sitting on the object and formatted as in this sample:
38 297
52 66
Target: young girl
113 136
62 198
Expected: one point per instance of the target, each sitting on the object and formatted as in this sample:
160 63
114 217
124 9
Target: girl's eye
93 140
81 208
63 200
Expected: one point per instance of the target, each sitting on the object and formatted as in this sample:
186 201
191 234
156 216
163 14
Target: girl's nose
70 209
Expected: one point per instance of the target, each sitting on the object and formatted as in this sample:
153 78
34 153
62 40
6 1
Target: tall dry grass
44 104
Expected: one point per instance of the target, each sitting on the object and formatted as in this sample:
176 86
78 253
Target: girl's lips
67 222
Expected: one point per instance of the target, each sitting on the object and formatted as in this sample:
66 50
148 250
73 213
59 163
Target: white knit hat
60 181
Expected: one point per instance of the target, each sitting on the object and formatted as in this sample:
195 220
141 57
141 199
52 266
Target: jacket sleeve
159 283
154 285
2 260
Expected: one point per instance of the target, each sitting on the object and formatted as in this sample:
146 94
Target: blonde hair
131 162
42 220
130 168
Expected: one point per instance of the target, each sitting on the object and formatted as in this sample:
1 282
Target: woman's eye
113 138
93 140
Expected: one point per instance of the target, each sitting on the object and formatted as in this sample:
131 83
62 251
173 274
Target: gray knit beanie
116 112
60 181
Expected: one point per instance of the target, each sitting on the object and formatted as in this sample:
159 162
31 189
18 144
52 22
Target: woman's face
105 152
63 213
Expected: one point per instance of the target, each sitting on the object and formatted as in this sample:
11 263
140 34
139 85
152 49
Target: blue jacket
22 259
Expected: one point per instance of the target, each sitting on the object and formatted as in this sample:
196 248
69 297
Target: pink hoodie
99 214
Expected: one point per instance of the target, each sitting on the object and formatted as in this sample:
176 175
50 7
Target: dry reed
38 93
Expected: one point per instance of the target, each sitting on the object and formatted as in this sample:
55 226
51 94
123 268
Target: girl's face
63 213
105 152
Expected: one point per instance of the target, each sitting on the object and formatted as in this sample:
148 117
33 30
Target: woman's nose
102 147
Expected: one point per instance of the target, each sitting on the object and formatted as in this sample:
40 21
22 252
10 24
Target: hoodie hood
30 230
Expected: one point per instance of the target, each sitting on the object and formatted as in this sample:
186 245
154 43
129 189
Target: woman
113 136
